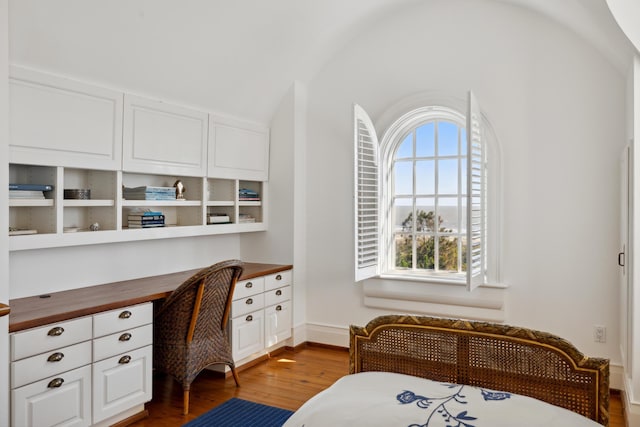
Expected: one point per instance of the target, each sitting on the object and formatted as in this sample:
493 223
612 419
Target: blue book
31 187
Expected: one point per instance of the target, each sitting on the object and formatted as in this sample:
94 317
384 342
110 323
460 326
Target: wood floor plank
286 380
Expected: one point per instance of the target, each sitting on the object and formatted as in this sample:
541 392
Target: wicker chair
190 327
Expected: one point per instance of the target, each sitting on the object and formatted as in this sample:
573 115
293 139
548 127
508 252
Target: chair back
199 308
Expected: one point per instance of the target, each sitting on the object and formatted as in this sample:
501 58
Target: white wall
4 215
50 270
557 107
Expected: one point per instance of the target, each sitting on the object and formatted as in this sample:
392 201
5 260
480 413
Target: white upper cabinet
238 150
62 122
163 138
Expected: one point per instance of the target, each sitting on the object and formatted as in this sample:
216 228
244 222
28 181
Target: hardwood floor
286 380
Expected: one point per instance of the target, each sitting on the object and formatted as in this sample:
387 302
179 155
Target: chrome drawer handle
55 332
55 357
249 318
125 314
248 285
124 360
278 292
278 277
249 301
125 337
55 383
279 308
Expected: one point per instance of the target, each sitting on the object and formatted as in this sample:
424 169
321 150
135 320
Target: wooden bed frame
494 356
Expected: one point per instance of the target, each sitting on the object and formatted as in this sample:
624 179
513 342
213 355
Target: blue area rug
241 413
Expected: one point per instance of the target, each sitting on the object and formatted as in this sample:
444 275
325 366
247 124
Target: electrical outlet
599 333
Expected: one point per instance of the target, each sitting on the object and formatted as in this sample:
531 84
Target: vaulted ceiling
234 57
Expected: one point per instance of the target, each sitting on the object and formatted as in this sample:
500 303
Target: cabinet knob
248 285
125 337
125 314
249 301
279 308
124 360
249 318
55 383
55 357
278 277
279 292
55 332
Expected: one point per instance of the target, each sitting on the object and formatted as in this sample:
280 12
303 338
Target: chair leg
185 402
235 375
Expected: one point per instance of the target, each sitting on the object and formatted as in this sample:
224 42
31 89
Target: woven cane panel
492 356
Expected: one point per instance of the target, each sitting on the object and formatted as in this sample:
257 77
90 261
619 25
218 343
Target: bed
425 371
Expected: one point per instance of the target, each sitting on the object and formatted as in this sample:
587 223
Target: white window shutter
366 193
476 214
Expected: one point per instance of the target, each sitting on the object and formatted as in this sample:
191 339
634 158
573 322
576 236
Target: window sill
436 298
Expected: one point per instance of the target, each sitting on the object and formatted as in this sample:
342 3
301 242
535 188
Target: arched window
422 197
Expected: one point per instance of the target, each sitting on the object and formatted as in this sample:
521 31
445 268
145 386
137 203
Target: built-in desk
30 312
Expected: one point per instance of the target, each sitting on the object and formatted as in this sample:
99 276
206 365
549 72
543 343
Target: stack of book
28 191
245 194
244 218
218 218
147 192
146 219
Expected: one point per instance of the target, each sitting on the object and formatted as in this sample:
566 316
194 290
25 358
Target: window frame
408 113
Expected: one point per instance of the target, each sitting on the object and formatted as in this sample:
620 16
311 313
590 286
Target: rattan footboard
499 357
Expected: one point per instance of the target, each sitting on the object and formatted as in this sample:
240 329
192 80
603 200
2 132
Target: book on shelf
145 218
149 193
31 187
146 225
245 218
21 231
26 194
218 219
150 222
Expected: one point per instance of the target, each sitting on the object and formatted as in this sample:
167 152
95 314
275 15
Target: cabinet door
163 138
121 382
64 400
238 150
247 334
277 323
57 121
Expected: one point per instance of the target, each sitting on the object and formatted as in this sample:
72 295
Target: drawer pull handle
249 301
125 314
124 360
125 337
279 308
55 357
278 277
249 285
278 292
249 318
55 383
55 332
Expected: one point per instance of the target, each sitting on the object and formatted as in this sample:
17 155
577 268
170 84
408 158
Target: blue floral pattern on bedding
462 418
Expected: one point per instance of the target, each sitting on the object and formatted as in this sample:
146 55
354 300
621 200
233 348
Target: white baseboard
327 334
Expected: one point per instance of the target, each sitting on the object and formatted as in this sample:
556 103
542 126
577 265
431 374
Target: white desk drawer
125 318
55 335
247 305
277 280
44 365
276 296
246 288
121 342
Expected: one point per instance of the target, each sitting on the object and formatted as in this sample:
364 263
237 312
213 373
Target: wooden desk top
4 309
30 312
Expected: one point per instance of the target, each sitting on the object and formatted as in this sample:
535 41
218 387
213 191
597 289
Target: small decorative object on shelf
94 227
180 190
218 218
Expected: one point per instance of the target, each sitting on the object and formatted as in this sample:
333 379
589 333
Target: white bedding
389 400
